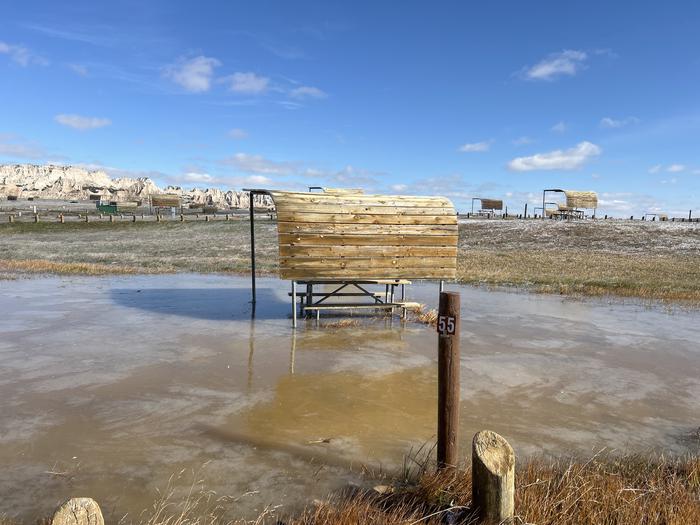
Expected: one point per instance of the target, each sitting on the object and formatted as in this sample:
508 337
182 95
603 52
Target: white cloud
475 147
675 168
672 180
655 169
560 127
259 165
608 122
238 134
248 83
194 74
307 92
399 187
80 122
566 63
21 55
198 177
569 159
523 141
14 147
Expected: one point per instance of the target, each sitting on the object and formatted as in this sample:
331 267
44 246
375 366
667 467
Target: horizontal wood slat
368 262
373 229
369 273
358 209
370 251
315 239
353 218
351 236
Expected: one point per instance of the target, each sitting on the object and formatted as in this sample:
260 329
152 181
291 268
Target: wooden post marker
448 379
493 477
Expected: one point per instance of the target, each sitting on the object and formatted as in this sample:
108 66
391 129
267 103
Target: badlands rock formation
74 183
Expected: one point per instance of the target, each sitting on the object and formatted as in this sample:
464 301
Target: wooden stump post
111 218
78 511
133 218
448 380
61 219
493 478
182 218
11 218
36 217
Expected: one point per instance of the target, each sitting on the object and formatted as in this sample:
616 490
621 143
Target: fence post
493 477
448 380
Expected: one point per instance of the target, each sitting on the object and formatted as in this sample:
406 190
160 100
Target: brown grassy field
657 261
603 490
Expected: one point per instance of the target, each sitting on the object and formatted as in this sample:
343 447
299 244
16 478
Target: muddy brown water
111 385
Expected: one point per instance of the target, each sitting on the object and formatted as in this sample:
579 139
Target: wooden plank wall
344 236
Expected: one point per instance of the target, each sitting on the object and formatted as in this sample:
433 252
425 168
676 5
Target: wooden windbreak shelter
576 202
350 240
488 205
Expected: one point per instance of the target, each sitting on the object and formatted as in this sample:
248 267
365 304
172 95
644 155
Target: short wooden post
206 218
227 216
61 219
182 218
448 380
11 218
133 218
158 218
36 217
111 218
87 218
493 477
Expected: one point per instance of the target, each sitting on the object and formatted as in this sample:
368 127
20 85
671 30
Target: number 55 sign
446 325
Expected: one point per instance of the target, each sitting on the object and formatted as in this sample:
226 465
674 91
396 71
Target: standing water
111 385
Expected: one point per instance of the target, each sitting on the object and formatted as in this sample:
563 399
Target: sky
462 99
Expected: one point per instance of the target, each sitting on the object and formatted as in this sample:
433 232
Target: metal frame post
442 286
252 244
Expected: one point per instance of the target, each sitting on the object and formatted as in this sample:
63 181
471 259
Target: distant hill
75 183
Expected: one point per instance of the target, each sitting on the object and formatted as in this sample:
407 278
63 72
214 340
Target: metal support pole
252 248
543 204
309 297
448 380
525 214
442 286
294 304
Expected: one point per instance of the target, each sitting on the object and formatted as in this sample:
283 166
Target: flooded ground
111 385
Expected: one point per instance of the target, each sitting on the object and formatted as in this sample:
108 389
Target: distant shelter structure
576 204
165 200
336 244
488 206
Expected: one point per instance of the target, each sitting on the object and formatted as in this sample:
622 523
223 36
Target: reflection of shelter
576 204
349 242
488 206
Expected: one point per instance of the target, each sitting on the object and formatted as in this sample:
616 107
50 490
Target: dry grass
656 277
607 490
32 266
656 261
421 315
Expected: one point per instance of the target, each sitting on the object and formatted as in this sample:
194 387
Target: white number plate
446 325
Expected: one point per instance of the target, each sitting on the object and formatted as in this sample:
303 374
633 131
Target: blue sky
496 99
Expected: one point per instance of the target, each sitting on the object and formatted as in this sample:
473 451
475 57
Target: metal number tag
446 325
